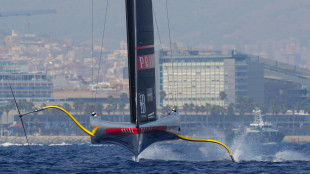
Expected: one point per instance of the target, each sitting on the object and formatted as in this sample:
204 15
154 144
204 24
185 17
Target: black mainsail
141 61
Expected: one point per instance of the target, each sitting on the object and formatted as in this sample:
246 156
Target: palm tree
162 95
197 109
1 112
124 98
121 106
274 107
222 110
215 110
208 108
191 107
8 108
203 109
222 96
114 107
29 106
231 109
241 105
283 109
109 109
97 107
249 105
307 109
67 107
185 108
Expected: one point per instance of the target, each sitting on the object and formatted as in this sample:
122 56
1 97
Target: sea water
167 157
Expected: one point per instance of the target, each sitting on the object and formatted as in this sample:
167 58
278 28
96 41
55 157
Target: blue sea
165 157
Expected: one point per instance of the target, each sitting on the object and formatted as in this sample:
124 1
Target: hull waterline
134 139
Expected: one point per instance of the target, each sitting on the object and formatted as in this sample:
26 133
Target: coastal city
145 86
206 86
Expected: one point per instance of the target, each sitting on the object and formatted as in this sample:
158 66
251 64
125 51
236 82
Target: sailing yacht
144 127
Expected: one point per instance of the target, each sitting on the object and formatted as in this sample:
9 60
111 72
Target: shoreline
45 139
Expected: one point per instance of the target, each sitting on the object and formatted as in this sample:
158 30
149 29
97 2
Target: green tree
249 104
29 106
241 105
124 98
162 95
222 110
208 108
121 107
197 109
222 96
307 109
8 108
114 106
67 107
109 109
97 107
191 107
25 105
185 108
78 105
283 109
263 110
274 107
231 109
203 109
1 112
215 110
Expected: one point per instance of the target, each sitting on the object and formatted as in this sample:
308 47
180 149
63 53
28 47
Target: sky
193 23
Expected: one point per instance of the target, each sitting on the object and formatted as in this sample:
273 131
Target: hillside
194 23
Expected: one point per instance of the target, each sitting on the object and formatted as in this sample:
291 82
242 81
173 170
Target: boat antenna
92 45
101 49
172 59
20 115
161 48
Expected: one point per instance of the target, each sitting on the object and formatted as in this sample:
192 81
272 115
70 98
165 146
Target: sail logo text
145 62
142 103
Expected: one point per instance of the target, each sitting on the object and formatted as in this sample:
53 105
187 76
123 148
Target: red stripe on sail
143 47
145 62
140 130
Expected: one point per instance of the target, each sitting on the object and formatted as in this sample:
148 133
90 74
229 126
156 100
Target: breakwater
45 139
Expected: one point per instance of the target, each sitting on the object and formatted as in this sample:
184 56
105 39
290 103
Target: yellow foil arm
205 140
75 121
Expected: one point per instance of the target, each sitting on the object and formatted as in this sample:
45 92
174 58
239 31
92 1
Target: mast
141 61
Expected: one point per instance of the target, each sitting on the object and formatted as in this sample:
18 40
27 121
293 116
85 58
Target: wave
290 155
61 144
160 152
10 144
